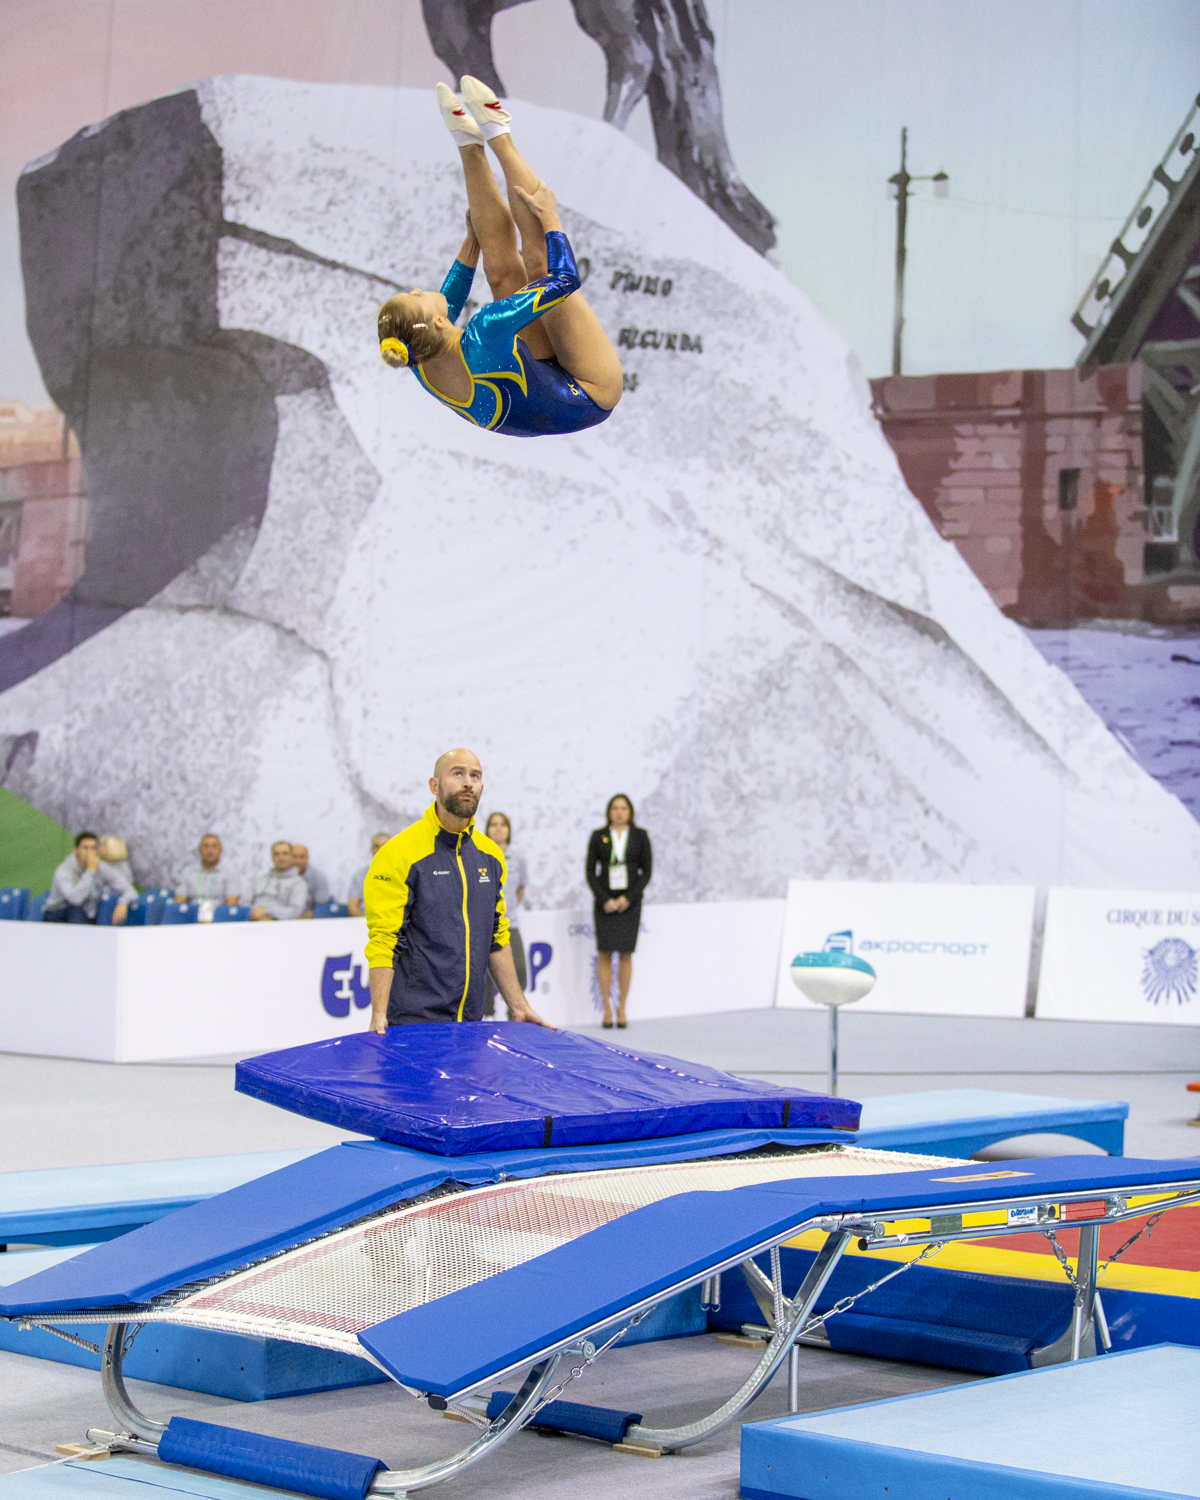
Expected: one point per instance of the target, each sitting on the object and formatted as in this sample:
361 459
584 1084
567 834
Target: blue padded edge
318 1194
600 1422
327 1473
450 1345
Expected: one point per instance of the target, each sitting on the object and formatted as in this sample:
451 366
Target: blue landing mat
83 1205
112 1478
1120 1425
455 1090
959 1122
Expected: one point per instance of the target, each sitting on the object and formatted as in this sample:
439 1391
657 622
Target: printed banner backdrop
257 581
953 950
1121 956
691 960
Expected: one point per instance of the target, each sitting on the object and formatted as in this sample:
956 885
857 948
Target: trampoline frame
790 1316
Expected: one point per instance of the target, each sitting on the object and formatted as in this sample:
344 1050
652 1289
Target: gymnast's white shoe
489 114
462 127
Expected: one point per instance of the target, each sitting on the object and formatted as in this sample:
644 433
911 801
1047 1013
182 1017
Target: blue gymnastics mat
84 1205
959 1122
114 1478
456 1090
1120 1425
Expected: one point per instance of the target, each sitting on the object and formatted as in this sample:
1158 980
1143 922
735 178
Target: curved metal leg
772 1357
397 1482
115 1393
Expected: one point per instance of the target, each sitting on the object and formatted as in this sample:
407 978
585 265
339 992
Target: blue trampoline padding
601 1422
1121 1425
315 1195
325 1472
959 1122
457 1342
454 1090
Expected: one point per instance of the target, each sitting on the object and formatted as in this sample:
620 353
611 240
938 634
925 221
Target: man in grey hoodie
280 895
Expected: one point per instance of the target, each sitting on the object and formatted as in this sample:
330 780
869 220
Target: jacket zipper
466 924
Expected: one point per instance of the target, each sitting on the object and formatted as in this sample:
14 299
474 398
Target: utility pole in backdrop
901 180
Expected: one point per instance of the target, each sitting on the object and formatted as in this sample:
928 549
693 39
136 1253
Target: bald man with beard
435 912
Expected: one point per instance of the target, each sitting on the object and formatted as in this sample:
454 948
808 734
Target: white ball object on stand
832 979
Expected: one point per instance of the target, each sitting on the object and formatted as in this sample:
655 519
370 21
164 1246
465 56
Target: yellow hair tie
394 352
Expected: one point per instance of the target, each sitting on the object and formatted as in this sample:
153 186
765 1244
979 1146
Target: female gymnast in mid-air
536 360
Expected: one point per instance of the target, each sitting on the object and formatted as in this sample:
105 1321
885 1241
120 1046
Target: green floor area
31 845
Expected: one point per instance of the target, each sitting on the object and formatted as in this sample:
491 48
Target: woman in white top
516 877
619 865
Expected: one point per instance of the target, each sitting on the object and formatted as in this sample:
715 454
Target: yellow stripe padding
466 926
985 1261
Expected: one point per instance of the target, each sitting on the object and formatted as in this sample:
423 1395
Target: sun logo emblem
1169 972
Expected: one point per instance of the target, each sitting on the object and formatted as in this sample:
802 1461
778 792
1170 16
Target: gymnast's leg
579 342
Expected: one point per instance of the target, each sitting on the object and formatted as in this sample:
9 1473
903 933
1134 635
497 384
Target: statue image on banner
725 593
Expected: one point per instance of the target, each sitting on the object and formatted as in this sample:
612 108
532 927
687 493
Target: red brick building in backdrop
1038 478
43 509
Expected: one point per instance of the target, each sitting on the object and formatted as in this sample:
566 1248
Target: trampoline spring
71 1338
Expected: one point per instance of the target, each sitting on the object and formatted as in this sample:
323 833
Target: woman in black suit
619 865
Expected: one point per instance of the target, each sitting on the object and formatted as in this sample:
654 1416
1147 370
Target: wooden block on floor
85 1451
638 1450
740 1341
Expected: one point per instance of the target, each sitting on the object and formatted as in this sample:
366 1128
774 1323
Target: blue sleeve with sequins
457 288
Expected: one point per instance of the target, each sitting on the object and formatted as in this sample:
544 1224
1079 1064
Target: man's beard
461 804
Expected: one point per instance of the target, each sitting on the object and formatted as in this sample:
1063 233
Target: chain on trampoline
324 1293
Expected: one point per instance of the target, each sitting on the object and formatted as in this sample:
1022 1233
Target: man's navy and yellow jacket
434 913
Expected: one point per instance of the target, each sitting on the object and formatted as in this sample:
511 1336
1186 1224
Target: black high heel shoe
608 1025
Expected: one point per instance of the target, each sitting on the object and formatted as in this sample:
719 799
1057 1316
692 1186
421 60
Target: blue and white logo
340 984
840 942
1169 972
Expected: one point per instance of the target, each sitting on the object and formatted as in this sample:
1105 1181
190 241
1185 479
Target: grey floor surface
59 1113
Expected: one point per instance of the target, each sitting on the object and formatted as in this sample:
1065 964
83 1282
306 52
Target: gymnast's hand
544 204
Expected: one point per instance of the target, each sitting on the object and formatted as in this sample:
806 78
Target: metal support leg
799 1310
135 1424
793 1379
399 1482
1085 1297
833 1041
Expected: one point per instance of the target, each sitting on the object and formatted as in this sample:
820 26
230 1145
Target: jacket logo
441 872
484 877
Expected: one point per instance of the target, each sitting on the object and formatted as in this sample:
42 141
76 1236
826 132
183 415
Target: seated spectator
279 895
115 854
354 897
80 881
318 886
206 882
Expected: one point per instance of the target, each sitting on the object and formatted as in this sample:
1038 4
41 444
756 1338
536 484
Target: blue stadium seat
226 913
179 913
14 903
104 912
33 912
331 909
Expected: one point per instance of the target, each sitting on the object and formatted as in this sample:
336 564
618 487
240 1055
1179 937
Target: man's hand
621 904
120 912
260 914
380 981
504 975
543 203
612 905
92 860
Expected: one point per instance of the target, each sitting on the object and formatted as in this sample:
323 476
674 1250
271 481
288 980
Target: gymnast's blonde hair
403 342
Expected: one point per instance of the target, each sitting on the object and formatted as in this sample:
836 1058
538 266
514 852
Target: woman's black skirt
617 931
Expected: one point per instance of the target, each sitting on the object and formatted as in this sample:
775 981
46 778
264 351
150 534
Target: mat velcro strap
303 1467
571 1416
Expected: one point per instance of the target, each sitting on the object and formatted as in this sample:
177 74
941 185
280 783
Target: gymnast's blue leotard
511 391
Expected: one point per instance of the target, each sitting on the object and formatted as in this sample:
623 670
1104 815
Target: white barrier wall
955 950
1121 956
139 994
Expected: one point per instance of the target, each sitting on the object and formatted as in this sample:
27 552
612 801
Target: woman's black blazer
637 857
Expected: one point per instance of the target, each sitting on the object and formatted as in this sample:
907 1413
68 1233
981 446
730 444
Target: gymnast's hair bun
394 352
